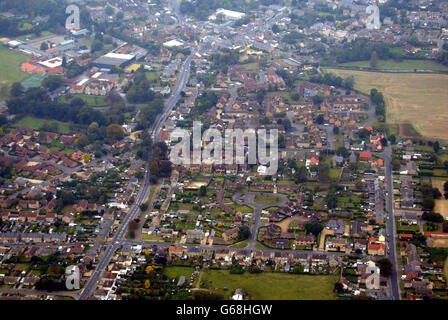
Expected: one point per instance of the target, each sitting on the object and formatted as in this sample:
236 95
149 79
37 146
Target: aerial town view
223 150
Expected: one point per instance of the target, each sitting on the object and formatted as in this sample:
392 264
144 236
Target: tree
393 139
295 96
97 45
338 287
86 158
317 100
16 89
374 60
428 203
44 46
115 131
342 151
385 267
433 217
52 82
436 146
203 191
154 168
323 172
349 82
3 120
243 233
132 228
93 128
445 226
275 28
396 164
301 175
314 228
109 10
320 119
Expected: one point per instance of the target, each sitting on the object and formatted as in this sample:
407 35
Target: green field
92 101
267 199
36 124
175 272
272 286
251 66
335 174
243 209
402 65
10 71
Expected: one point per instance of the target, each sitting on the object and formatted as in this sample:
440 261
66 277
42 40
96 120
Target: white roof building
229 14
173 43
52 63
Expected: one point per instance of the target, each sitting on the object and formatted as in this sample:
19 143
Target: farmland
402 65
417 99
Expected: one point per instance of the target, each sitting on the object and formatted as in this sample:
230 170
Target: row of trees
361 49
380 106
37 102
332 79
160 165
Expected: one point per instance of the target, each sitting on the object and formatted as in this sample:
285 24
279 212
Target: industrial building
112 60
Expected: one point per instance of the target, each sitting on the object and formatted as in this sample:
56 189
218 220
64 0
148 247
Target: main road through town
394 287
120 236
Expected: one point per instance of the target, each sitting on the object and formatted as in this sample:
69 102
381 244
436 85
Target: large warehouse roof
119 56
114 59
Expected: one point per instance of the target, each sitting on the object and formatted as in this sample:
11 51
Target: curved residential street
248 198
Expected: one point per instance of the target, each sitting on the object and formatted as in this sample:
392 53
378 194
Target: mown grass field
36 124
175 272
275 286
417 99
10 71
402 65
260 198
91 101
